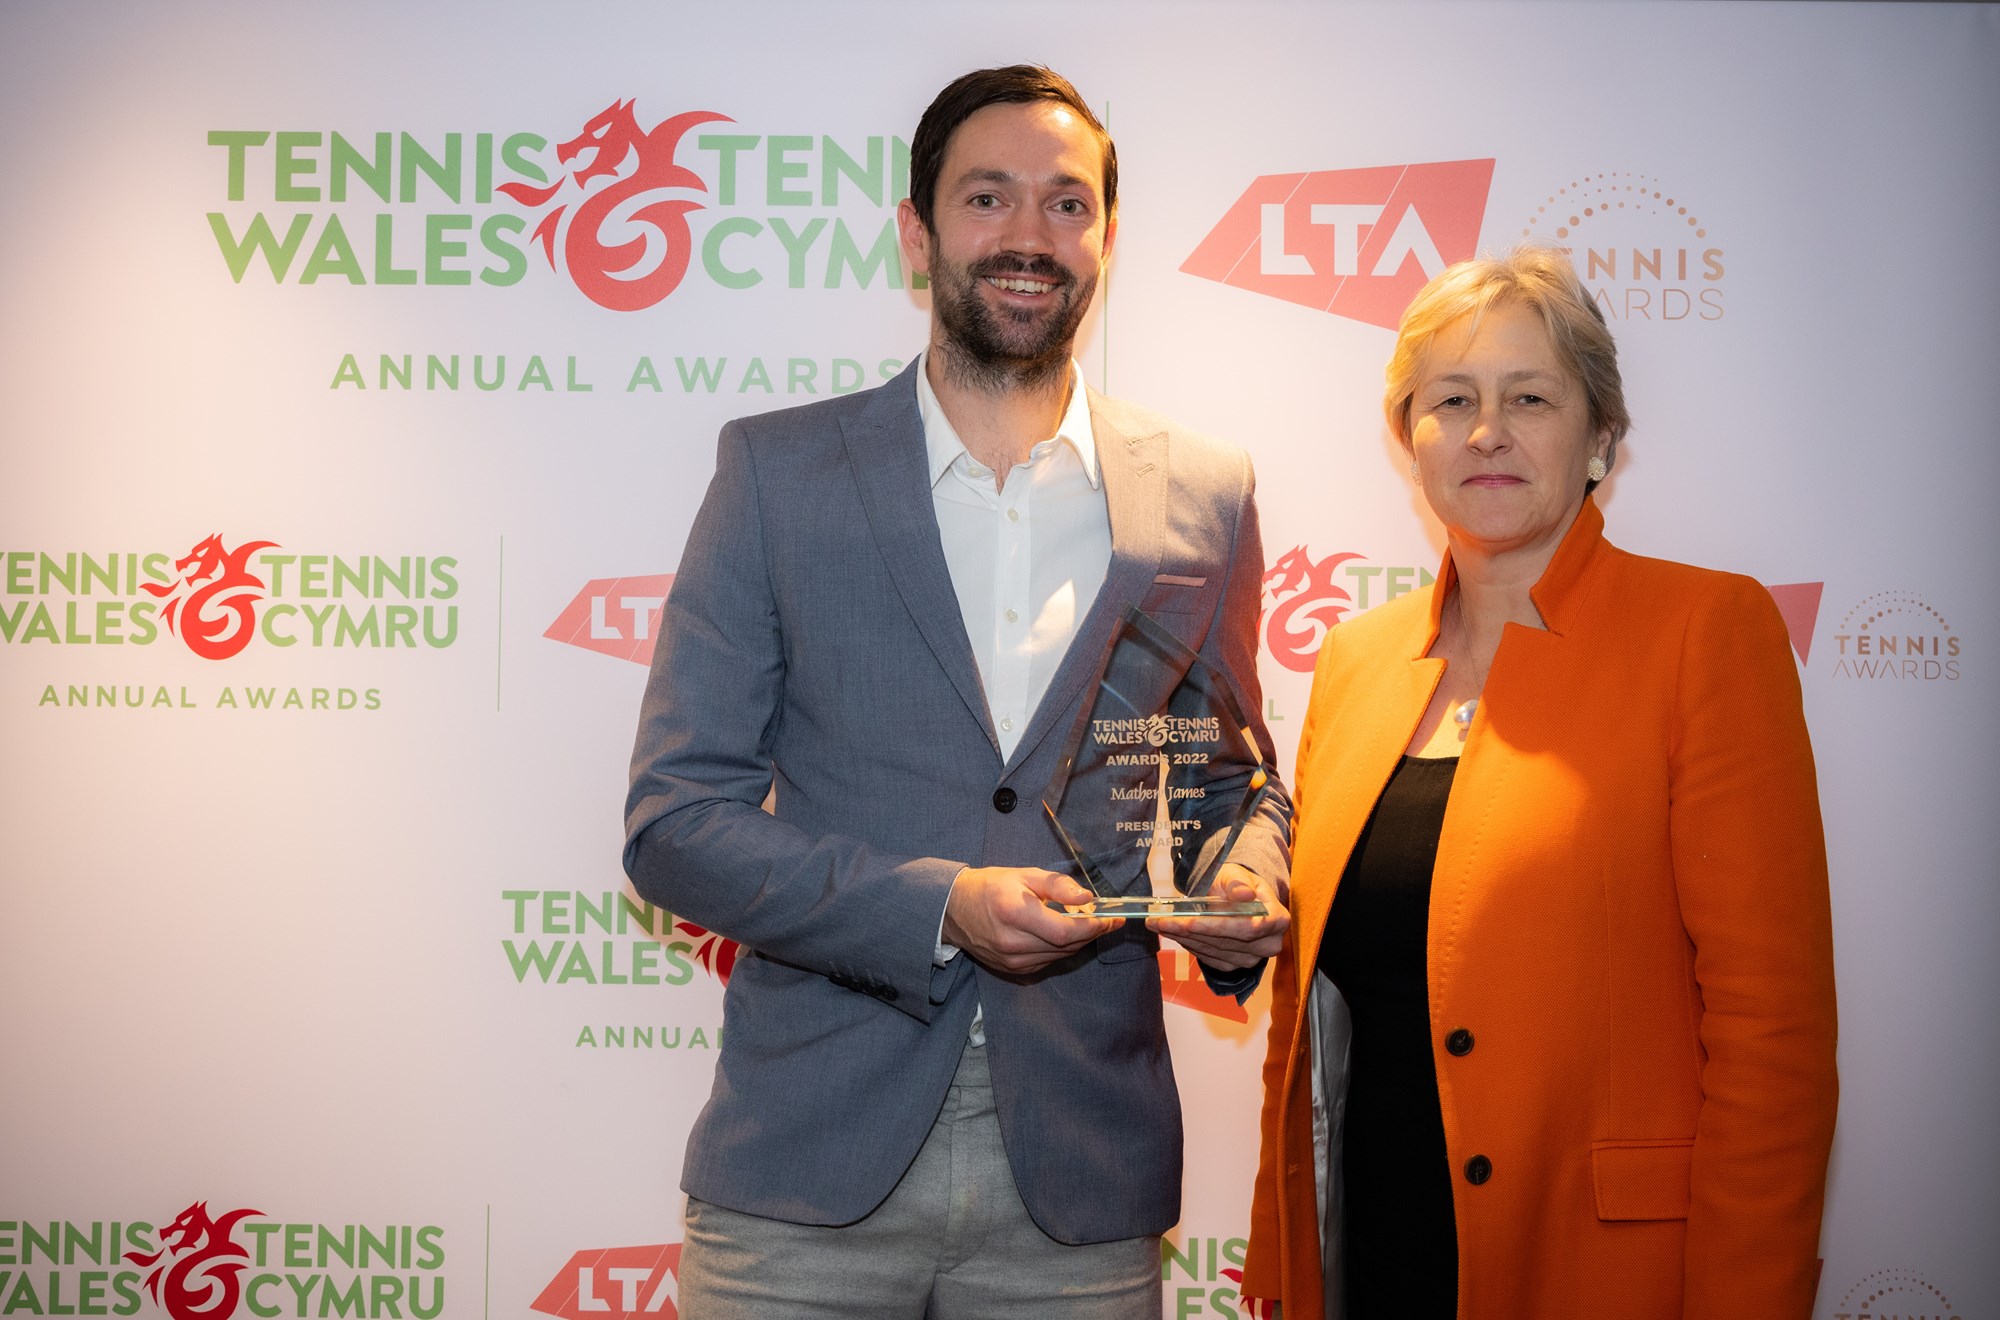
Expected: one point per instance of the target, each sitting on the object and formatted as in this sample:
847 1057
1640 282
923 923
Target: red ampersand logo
1307 604
194 1274
212 605
623 274
1257 1308
715 953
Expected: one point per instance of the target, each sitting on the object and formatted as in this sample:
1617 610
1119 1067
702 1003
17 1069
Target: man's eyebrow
990 174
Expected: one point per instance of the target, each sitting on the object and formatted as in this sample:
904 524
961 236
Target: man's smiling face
1020 239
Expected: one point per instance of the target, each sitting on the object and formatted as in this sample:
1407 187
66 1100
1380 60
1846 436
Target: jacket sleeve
1263 1274
1750 870
697 839
1274 1196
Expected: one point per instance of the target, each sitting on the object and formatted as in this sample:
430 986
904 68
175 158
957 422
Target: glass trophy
1156 782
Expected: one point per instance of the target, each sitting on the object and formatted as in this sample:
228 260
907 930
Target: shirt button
1459 1043
1013 616
1004 800
1007 724
1478 1169
1013 515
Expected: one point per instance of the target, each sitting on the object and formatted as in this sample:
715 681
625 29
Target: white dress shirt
1026 561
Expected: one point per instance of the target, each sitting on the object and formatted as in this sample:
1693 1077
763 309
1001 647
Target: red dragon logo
1257 1308
193 1274
716 954
636 272
212 606
1302 591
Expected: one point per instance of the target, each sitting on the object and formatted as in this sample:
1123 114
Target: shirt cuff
944 953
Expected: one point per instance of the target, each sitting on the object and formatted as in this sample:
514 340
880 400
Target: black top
1402 1248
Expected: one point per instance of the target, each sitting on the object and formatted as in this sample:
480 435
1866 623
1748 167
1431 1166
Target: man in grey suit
937 1094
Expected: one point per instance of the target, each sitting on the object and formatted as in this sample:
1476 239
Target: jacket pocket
1179 595
1641 1179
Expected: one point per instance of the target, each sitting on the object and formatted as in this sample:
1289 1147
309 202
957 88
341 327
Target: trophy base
1138 907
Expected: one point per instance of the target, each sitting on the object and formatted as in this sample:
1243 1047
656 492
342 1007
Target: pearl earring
1413 470
1595 468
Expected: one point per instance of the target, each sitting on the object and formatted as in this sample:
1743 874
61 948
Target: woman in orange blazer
1552 1032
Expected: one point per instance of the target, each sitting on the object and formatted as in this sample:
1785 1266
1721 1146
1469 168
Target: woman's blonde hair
1531 276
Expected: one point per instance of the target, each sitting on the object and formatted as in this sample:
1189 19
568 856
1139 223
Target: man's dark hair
975 91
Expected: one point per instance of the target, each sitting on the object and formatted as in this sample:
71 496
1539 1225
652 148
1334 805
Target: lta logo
618 617
1356 243
616 1283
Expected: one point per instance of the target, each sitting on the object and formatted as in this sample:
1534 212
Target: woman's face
1501 433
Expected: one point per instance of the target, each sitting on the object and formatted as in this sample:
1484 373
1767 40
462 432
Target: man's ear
914 237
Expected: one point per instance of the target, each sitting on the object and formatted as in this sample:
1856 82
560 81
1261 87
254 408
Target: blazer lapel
1374 704
885 448
1134 469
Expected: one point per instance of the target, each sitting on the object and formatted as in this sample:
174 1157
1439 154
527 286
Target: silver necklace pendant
1462 716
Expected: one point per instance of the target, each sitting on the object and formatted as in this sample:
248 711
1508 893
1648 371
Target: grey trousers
952 1242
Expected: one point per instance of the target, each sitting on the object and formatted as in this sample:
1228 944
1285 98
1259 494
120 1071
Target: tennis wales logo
194 1273
1304 603
195 1267
622 256
212 604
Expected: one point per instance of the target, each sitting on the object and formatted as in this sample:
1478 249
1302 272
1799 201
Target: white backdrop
317 941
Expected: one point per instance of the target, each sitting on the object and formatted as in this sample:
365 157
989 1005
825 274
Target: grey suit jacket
812 642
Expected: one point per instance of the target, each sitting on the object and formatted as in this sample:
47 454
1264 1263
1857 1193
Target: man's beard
1021 348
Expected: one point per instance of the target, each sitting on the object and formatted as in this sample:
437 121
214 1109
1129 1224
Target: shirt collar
943 446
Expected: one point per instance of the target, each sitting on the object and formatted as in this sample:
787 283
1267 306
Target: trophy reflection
1157 781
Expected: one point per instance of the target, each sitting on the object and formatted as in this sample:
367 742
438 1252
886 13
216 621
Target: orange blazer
1628 921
